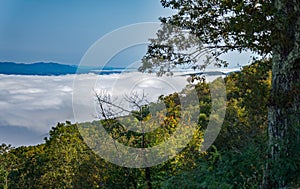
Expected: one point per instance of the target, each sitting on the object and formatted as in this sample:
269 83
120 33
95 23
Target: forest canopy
235 161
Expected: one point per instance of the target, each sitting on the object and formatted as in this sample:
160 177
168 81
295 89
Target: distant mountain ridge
46 69
39 68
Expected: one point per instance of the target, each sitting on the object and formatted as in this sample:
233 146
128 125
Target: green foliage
237 158
220 169
142 114
240 24
246 113
216 27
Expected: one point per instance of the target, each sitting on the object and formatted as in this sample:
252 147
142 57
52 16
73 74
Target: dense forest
235 160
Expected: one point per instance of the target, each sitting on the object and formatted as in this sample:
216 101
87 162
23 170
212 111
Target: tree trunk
6 180
147 169
148 177
284 106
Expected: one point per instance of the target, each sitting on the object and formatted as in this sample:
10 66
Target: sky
62 31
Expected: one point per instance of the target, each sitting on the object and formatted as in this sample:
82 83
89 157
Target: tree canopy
220 26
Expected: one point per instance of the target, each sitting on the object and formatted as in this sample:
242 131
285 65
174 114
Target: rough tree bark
284 104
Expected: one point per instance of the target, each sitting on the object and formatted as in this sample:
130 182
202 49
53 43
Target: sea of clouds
31 105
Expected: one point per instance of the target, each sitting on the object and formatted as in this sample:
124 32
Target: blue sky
62 31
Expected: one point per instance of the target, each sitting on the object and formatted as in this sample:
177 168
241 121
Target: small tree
110 110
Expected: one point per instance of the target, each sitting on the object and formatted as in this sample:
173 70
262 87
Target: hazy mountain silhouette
39 68
42 68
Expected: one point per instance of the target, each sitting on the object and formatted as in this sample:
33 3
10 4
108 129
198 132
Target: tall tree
6 164
284 108
270 28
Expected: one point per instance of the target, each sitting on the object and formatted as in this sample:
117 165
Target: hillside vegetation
236 159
